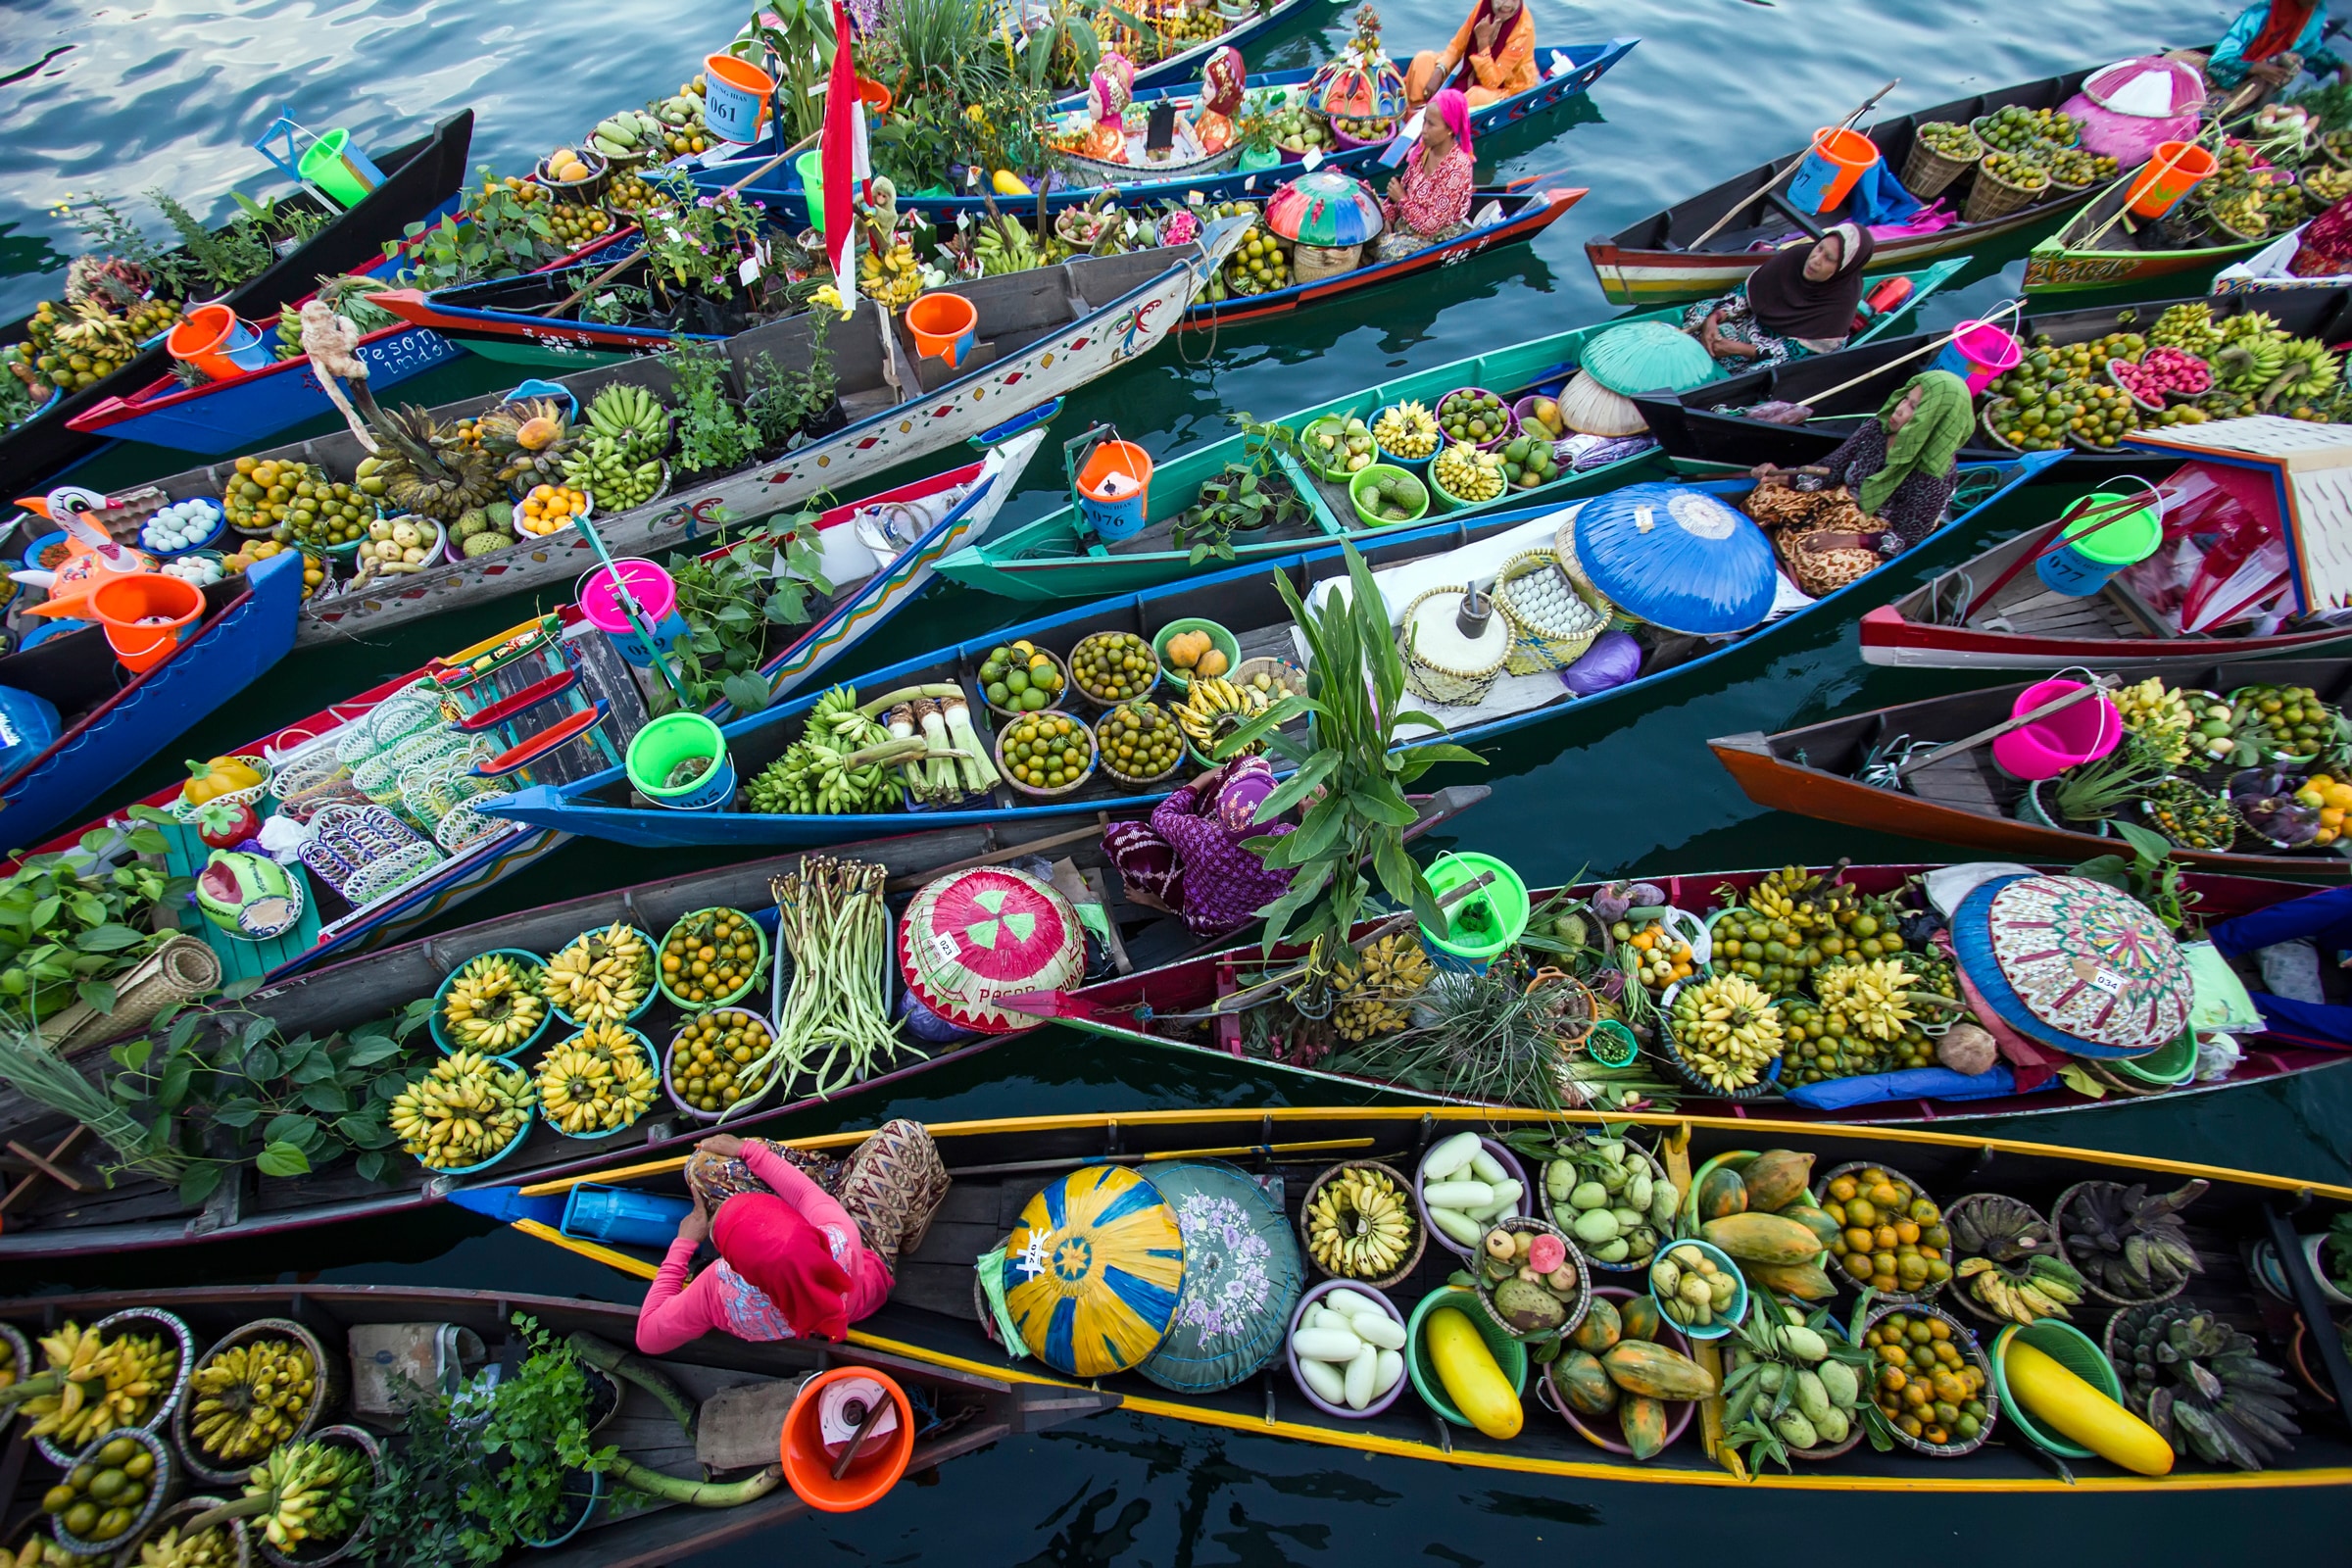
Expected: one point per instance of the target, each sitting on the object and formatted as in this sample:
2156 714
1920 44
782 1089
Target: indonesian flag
842 154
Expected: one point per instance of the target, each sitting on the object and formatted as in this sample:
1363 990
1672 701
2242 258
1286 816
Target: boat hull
2057 265
1890 638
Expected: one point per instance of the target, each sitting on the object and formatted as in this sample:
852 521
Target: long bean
831 1026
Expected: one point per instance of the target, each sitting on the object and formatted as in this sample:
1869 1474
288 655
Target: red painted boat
1963 798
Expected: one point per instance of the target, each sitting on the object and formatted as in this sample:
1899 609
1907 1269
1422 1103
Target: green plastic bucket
1482 927
2169 1065
811 169
1509 1354
342 170
675 737
2071 1350
2090 550
1360 485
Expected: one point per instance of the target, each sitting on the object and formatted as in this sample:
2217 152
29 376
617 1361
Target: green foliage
783 403
734 603
501 236
71 922
793 40
219 260
226 1087
2151 874
110 233
1238 496
713 433
1354 703
2330 106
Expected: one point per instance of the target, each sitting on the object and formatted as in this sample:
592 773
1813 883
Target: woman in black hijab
1800 301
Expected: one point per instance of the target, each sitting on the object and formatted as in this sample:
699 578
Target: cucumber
1380 1330
1351 1303
1390 1369
1358 1384
1327 1345
1328 1383
1449 1156
1485 1168
1464 1196
1458 1225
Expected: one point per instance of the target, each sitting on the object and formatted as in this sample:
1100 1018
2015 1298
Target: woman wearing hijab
793 1263
1891 481
2273 41
1428 200
1491 57
1190 857
1801 301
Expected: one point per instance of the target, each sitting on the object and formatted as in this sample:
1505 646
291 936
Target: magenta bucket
657 599
2081 732
1980 353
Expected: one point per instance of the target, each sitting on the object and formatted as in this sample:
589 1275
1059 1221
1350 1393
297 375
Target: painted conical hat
1093 1271
972 936
1242 1277
2075 965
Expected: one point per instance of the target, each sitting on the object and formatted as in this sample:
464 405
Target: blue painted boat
1571 71
1245 602
115 725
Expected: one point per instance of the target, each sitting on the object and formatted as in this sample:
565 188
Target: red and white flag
842 154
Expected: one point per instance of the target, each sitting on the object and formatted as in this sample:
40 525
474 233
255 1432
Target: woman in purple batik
1189 857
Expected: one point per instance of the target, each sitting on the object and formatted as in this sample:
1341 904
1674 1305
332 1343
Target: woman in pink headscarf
1430 199
1108 93
1221 83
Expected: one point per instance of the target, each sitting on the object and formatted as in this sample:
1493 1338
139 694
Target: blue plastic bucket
2091 551
735 95
1114 489
619 1217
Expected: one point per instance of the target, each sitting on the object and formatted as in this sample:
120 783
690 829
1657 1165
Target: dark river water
170 95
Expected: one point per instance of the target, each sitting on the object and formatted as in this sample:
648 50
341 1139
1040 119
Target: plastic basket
652 1060
531 963
1510 1355
757 978
1314 1294
1725 1320
2071 1348
652 962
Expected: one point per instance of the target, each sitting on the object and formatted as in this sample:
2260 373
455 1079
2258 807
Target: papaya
1644 1420
1640 1318
1652 1370
1721 1195
2073 1408
1804 1281
1471 1379
1821 1224
1585 1383
1775 1179
1601 1329
1762 1239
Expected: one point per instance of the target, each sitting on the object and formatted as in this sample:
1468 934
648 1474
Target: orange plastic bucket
880 1460
2172 172
1839 158
215 342
1114 489
946 326
146 615
735 94
874 96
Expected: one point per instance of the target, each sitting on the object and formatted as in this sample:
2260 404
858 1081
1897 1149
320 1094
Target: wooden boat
2096 249
1242 600
966 1411
49 1221
1570 72
1648 263
1707 425
419 177
934 1315
1060 556
503 320
1042 333
1176 1006
113 722
218 417
1963 798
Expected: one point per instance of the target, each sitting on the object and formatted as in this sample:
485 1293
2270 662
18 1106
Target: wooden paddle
1901 359
1868 104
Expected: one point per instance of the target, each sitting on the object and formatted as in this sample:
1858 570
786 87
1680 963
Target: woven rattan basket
1927 172
1994 197
1540 647
1435 682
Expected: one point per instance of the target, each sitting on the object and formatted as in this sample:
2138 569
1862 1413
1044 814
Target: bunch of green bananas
1004 245
2189 329
310 1490
251 1397
2044 1288
600 468
632 418
843 763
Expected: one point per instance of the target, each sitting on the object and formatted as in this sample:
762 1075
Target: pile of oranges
1927 1386
549 507
2332 798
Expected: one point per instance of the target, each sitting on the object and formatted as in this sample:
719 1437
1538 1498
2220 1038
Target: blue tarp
1913 1083
2323 919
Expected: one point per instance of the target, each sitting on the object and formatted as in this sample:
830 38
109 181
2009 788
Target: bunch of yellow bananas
250 1398
601 976
1373 996
1873 998
2044 1288
303 1492
40 1551
94 1385
464 1110
597 1081
1359 1226
492 1006
1727 1029
189 1548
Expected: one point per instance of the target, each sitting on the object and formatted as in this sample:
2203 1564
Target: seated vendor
2270 44
1801 301
1428 200
1189 859
792 1261
1901 468
1493 57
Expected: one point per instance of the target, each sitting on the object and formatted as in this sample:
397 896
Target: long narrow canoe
501 320
964 1411
1245 603
1173 1008
1649 261
1569 72
135 1212
2097 249
934 1314
1705 425
419 178
1060 556
1964 799
1042 333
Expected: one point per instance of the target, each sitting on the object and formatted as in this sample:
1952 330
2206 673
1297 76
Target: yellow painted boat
998 1166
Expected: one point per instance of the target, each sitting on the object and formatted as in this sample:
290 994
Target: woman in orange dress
1108 93
1491 58
1222 81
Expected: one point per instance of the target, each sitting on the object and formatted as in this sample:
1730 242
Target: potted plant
789 409
1244 497
2089 795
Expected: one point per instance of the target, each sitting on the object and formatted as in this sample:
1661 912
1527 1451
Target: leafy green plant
29 1068
2096 790
1250 494
110 232
695 243
281 220
1063 53
784 404
500 235
72 922
226 1087
732 603
1353 770
617 305
793 40
220 258
713 433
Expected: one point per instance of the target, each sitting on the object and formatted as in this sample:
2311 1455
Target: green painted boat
560 356
2104 247
1060 556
